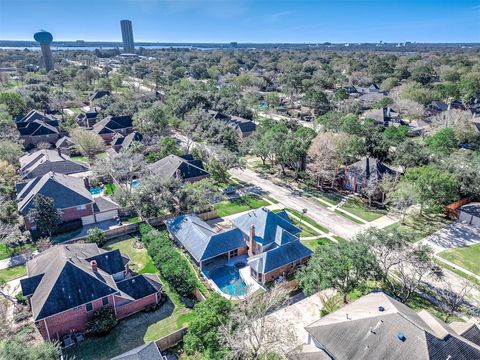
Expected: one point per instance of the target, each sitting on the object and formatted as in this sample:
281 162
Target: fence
171 339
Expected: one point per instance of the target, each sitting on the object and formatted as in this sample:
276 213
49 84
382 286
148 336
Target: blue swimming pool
97 190
228 280
135 183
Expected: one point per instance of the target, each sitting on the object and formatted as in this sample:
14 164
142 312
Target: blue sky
245 20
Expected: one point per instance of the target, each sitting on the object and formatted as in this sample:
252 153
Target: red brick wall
67 215
69 321
135 306
284 270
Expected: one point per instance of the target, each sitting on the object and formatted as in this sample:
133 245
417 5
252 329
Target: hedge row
173 266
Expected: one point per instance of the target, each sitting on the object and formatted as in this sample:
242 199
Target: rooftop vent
381 308
401 337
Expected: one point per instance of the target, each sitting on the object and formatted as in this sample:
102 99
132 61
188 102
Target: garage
105 209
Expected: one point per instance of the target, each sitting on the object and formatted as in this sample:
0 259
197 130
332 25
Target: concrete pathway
15 260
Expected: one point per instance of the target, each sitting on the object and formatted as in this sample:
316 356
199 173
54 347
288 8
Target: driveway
457 234
292 199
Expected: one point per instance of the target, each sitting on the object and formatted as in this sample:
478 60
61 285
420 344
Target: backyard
243 203
466 257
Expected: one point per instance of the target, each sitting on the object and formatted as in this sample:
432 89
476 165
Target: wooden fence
171 339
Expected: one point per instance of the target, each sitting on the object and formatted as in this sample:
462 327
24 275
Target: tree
453 300
457 120
14 102
96 236
432 185
324 159
442 142
203 334
152 120
45 215
14 348
272 99
87 142
10 151
250 334
410 154
402 197
102 322
423 74
318 101
166 146
342 266
220 162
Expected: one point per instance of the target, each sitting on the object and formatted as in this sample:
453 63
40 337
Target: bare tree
458 120
251 334
453 299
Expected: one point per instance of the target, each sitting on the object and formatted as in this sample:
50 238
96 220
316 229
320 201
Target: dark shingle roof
238 123
36 128
370 166
138 286
66 191
167 167
113 123
378 326
37 115
103 204
41 162
144 352
99 94
110 261
199 238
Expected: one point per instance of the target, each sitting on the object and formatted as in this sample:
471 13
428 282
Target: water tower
45 39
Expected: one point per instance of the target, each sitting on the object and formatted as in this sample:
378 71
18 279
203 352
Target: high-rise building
127 36
45 39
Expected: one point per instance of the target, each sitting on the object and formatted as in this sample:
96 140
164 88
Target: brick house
66 284
36 128
70 197
120 142
274 246
111 125
184 168
243 127
358 175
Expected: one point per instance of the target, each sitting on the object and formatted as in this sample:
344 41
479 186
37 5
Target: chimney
86 182
251 241
93 264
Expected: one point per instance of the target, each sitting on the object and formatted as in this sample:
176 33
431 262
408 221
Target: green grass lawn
467 257
358 208
110 189
12 273
308 220
346 216
6 252
80 158
339 238
140 261
313 244
421 226
244 203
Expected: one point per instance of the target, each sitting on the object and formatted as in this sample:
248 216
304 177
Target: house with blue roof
269 240
204 244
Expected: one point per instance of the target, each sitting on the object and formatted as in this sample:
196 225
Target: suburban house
243 127
70 196
87 119
148 351
470 213
97 95
378 327
361 174
385 116
66 284
120 142
273 241
436 107
268 241
182 167
204 244
112 125
66 145
42 162
36 128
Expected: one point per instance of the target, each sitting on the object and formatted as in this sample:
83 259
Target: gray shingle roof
266 223
144 352
113 123
238 123
370 166
377 326
36 128
167 167
41 162
199 238
104 204
138 286
66 191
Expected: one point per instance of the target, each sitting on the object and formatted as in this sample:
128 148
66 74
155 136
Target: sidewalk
15 260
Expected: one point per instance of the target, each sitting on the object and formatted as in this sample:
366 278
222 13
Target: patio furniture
68 341
78 337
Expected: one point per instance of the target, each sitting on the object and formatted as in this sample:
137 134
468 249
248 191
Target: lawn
308 220
12 273
467 257
358 208
140 261
6 252
313 244
234 206
420 227
80 158
346 216
474 281
110 189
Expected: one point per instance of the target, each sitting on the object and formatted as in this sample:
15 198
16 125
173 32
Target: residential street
288 197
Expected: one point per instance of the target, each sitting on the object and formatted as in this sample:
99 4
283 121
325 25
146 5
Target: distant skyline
260 21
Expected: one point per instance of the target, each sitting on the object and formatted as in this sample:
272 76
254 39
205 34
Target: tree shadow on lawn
128 334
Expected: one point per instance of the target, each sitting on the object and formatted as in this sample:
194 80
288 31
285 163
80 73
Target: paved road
335 223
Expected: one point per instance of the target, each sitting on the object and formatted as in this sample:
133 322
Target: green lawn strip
339 238
6 252
234 206
420 227
467 257
110 189
346 216
308 220
12 273
473 280
313 244
358 208
271 199
80 158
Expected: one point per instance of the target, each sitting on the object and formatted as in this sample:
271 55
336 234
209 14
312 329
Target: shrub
20 298
102 322
96 236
